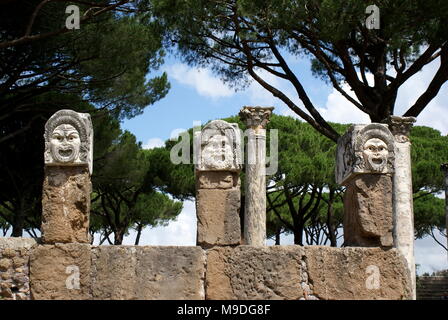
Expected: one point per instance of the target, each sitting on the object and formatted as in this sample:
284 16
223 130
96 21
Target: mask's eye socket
72 137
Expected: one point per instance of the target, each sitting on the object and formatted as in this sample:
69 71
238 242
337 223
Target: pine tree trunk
19 218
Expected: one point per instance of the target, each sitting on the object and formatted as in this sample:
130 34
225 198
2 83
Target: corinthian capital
256 117
401 127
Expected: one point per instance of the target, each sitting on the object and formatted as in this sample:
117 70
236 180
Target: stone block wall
311 273
81 271
14 268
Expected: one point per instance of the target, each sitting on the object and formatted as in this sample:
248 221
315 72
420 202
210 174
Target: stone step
432 288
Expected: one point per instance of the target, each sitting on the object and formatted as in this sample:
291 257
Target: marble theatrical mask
217 153
375 153
65 144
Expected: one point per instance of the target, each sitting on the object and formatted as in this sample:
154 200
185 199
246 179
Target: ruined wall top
218 147
364 149
69 139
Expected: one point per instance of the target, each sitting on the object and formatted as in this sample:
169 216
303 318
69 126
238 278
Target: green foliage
105 61
125 195
100 69
177 180
4 225
239 39
429 150
306 162
429 214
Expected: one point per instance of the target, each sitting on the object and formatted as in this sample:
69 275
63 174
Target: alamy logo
373 279
73 20
373 20
72 281
222 146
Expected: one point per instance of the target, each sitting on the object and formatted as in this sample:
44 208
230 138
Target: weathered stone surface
295 272
218 217
357 273
217 180
61 271
14 271
5 264
364 149
17 262
69 139
218 147
368 211
132 272
242 272
16 243
66 205
248 272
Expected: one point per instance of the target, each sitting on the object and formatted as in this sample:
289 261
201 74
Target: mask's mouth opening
65 153
377 161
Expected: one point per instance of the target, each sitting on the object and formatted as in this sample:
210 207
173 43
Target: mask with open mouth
218 152
375 154
65 143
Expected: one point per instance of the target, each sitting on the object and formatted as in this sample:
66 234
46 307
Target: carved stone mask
65 143
375 154
217 153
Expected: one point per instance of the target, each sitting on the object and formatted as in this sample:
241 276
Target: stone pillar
67 186
256 119
365 156
218 197
402 192
444 168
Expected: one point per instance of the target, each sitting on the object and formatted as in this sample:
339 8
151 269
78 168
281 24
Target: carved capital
69 139
256 117
401 127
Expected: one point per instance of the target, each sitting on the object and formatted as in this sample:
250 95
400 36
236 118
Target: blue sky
198 95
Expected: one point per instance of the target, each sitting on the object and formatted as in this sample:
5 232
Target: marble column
67 185
402 192
256 119
444 168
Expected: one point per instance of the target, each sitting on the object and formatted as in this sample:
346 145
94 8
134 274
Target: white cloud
259 96
181 232
434 114
200 79
429 255
153 143
339 109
